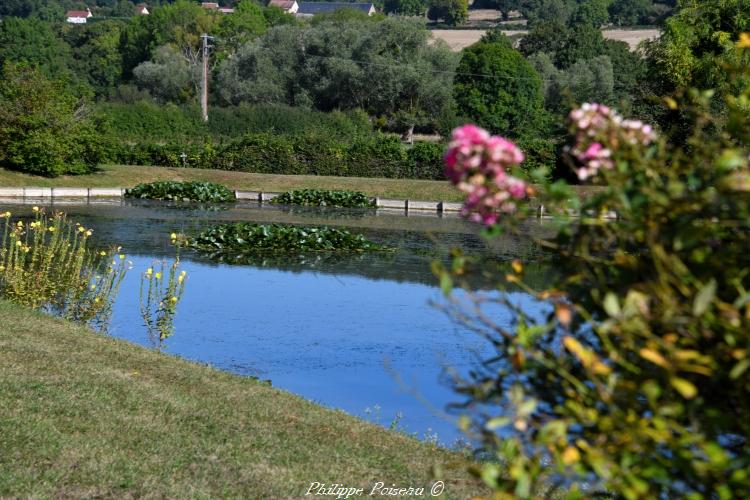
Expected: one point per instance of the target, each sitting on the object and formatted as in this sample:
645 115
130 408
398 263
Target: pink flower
596 126
477 164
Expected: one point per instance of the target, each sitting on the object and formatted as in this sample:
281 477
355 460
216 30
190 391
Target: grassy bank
129 176
86 415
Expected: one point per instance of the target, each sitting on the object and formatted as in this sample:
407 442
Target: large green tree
96 53
498 89
453 12
43 125
390 68
34 41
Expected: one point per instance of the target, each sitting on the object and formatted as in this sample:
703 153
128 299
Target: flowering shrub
49 264
478 164
597 130
630 377
162 289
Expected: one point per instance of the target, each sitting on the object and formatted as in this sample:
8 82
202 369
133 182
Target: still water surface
356 333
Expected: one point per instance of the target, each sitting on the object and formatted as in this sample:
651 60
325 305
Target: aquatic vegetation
49 264
162 289
246 237
205 192
325 198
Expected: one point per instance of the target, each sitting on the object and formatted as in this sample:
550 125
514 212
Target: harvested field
459 39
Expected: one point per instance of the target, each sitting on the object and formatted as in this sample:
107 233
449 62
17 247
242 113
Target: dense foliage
205 192
324 198
374 156
630 376
144 121
44 129
250 238
389 68
49 264
498 88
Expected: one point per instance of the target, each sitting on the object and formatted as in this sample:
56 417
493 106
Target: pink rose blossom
478 165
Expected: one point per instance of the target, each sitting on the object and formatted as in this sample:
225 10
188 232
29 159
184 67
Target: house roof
78 13
226 10
325 7
282 4
210 5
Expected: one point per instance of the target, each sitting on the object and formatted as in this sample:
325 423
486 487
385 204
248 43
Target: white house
142 9
215 6
288 6
78 16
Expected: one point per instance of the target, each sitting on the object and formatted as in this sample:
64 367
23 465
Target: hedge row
378 156
149 121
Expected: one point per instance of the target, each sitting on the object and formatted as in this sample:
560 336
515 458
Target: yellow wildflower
173 236
51 229
35 209
173 300
157 276
149 271
81 229
122 256
89 232
103 253
19 243
6 215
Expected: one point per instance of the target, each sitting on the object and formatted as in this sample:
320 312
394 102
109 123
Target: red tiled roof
77 13
210 5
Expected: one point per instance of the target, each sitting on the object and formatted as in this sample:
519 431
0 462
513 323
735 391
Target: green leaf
611 305
704 298
684 387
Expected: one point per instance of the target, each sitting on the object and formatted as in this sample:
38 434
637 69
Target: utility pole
204 83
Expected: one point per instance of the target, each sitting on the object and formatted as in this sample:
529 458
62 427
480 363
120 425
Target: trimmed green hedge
377 156
150 121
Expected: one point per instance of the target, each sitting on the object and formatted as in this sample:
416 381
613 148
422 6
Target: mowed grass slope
85 415
129 176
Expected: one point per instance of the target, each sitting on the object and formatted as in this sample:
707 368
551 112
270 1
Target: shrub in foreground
49 264
324 198
205 192
630 378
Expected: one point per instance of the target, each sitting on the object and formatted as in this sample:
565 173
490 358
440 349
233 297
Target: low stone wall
385 204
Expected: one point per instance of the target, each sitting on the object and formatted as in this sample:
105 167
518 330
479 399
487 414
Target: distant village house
216 6
142 9
288 6
78 16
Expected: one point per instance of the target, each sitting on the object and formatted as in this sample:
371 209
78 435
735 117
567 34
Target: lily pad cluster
205 192
246 237
325 198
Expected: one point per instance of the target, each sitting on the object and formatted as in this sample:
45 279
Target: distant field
460 39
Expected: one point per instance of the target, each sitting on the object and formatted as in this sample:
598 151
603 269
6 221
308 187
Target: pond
358 333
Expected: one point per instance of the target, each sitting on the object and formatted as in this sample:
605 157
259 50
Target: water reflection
351 332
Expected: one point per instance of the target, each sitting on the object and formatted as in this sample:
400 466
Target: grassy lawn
82 414
129 176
